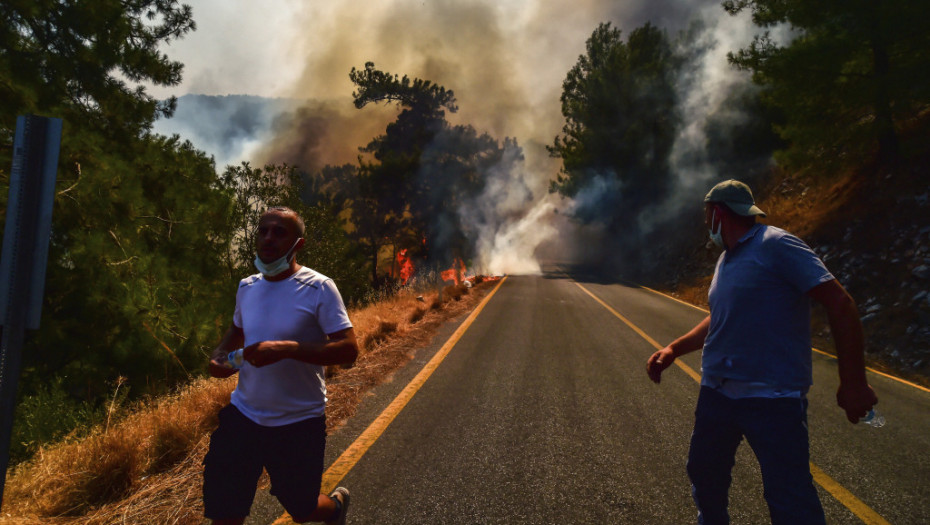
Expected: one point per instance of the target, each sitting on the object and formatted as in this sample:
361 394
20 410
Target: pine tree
619 105
848 76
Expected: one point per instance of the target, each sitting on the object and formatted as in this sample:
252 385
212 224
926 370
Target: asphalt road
542 413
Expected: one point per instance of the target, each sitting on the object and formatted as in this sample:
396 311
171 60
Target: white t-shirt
304 307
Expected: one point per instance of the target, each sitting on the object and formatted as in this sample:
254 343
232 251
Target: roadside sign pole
25 255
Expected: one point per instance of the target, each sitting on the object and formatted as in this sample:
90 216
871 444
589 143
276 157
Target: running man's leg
231 472
294 461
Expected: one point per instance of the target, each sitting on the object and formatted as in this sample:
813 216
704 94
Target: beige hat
736 195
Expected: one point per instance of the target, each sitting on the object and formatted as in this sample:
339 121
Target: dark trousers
776 429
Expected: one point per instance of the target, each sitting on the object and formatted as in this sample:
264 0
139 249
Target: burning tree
384 186
419 173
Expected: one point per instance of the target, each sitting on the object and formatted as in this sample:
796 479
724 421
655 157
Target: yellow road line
854 504
357 449
688 370
677 300
860 509
828 354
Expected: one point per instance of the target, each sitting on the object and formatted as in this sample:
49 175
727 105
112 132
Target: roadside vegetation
143 464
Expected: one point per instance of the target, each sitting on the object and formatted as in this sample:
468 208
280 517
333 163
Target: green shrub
48 415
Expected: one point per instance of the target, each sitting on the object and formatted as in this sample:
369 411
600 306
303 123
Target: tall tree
76 60
849 75
136 277
619 105
387 185
136 281
423 174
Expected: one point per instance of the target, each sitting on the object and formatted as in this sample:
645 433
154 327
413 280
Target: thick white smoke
509 219
703 90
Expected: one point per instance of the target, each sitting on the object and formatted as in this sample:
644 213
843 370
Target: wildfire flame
456 273
405 266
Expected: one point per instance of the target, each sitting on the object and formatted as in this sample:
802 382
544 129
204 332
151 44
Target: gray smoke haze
706 90
505 61
317 134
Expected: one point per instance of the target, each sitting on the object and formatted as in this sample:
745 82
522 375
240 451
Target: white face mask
716 237
278 266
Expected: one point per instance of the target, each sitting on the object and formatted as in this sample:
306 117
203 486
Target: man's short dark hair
298 221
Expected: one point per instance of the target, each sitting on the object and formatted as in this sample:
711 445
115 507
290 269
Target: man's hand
232 339
856 401
658 362
690 342
268 352
220 370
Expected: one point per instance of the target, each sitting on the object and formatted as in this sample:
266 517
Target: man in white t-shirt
290 322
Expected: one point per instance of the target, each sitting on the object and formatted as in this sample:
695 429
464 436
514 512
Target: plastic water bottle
873 419
234 359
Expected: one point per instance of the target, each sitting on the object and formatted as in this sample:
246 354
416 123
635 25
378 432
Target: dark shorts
239 449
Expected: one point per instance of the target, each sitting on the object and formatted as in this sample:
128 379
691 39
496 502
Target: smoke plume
505 61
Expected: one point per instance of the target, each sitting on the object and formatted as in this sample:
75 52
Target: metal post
25 254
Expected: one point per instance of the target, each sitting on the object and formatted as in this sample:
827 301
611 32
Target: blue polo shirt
760 312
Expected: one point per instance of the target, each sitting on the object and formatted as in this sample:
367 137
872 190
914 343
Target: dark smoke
317 134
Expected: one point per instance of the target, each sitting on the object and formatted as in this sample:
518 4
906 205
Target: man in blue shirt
756 360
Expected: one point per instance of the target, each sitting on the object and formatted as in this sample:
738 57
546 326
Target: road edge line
347 460
846 498
687 369
828 354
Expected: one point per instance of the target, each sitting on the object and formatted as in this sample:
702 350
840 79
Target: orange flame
405 266
456 273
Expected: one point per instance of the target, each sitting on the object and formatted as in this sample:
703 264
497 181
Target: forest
149 239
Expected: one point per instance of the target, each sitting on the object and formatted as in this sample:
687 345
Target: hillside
872 228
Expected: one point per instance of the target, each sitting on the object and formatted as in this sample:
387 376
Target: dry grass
146 467
78 481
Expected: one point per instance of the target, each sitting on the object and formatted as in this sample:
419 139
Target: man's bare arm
854 395
690 342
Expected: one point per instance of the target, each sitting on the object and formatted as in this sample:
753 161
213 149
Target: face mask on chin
716 237
278 266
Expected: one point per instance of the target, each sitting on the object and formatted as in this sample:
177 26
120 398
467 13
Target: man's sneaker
342 495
